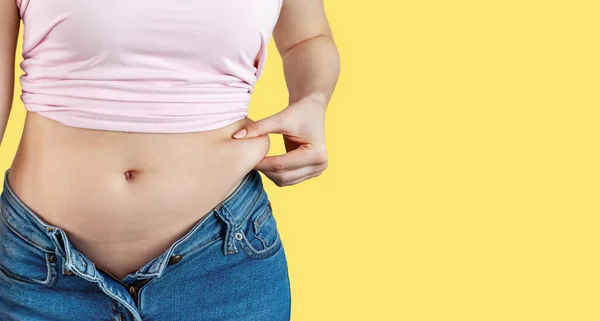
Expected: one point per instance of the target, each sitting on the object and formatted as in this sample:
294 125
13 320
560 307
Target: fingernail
241 133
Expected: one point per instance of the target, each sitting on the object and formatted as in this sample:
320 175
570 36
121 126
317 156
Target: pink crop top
144 65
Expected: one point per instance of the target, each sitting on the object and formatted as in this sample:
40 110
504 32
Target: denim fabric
230 266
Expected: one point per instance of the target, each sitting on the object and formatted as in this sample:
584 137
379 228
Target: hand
302 125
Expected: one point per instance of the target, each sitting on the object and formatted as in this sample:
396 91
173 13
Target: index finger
297 158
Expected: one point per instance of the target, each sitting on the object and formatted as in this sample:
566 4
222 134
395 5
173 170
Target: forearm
312 69
6 98
9 30
4 112
7 87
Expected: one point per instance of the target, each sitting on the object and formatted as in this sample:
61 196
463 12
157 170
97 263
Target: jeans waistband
222 222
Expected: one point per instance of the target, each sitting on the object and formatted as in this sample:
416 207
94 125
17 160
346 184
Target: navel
130 174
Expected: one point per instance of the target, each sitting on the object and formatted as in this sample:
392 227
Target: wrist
317 99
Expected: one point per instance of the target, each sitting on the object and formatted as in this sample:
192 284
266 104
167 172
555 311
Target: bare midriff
123 197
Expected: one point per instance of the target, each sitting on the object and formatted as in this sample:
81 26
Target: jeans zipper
132 289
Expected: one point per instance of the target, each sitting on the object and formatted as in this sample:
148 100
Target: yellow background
463 179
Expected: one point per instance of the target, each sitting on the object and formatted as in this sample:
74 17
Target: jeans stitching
49 280
236 192
249 212
196 249
261 219
266 253
28 241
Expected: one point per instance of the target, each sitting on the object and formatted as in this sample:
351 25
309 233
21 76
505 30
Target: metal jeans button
174 259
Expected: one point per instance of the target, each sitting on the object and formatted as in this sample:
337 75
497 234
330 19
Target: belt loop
228 245
56 235
72 259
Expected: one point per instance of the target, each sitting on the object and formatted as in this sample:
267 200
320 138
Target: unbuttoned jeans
230 266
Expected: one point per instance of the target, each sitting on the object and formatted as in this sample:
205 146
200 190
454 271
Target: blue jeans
230 266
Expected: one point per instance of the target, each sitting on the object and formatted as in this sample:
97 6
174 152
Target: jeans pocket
23 260
259 237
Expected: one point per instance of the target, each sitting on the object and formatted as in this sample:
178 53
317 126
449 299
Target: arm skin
9 31
311 66
310 57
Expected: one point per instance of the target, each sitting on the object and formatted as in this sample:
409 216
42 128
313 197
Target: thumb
271 124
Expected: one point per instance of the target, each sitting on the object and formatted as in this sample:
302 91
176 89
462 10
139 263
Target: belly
124 198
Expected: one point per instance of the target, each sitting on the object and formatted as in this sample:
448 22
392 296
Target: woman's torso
122 197
142 88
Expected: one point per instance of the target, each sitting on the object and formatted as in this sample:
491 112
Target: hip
231 264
